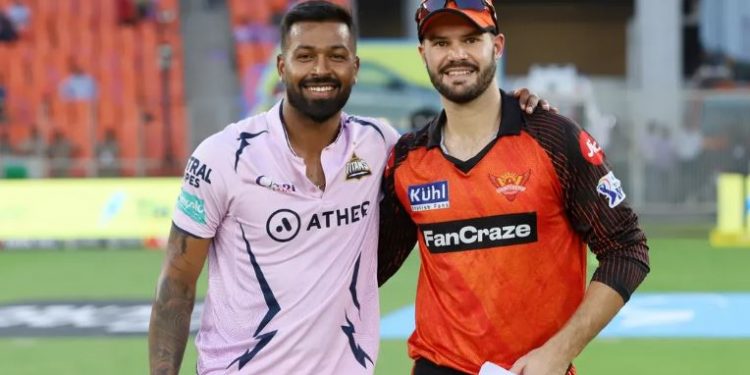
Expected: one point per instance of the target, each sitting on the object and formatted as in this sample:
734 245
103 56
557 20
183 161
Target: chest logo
357 168
430 196
283 225
480 233
267 182
510 184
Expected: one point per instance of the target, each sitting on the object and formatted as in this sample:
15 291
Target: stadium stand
137 70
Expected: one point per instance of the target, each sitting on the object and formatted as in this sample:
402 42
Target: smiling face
319 68
460 59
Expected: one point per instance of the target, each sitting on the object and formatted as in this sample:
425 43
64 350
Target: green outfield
678 264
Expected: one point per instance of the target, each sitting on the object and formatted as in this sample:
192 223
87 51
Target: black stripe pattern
273 309
612 234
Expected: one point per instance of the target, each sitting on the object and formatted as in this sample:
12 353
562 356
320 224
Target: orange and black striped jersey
503 236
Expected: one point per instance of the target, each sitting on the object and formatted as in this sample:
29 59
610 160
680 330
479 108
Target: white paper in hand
489 368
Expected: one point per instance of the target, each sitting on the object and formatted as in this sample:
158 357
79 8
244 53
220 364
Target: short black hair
316 11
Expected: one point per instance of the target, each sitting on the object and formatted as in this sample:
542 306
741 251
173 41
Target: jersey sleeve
398 233
202 203
391 135
596 206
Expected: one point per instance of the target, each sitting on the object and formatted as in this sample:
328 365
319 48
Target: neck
476 120
307 137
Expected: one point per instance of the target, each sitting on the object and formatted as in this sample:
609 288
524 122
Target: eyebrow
440 37
309 47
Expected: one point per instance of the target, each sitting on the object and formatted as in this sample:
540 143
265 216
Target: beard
467 92
318 110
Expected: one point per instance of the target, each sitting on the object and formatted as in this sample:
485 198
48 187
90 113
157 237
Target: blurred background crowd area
109 88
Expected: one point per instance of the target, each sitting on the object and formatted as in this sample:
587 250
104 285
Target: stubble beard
463 95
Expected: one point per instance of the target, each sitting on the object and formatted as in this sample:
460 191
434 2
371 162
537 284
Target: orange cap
485 19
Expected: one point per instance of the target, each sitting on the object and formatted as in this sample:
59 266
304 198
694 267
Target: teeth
321 88
458 72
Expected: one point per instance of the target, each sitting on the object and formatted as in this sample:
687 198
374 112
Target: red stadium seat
80 128
278 6
122 59
129 128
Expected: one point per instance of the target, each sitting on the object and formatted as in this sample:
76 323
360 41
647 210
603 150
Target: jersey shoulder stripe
366 123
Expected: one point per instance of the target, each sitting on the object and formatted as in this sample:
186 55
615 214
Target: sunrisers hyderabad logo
510 184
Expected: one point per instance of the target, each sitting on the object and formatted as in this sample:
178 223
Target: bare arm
175 295
599 306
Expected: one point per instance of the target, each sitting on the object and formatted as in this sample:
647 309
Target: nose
457 52
321 66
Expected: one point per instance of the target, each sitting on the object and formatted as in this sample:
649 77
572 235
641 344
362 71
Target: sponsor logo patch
267 182
611 188
590 149
510 184
284 225
197 172
480 233
192 206
357 168
432 196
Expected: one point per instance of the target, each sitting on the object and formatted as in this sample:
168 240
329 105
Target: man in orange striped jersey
503 204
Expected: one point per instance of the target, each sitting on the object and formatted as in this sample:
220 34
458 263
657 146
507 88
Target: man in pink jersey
285 207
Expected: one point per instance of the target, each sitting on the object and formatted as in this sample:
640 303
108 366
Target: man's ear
420 49
280 65
499 45
356 68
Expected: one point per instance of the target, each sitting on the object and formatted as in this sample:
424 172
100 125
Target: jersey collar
511 121
277 127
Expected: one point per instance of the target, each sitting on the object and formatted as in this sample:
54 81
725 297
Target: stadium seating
132 93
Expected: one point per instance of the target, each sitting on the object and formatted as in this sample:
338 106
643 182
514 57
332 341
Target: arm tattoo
170 315
181 235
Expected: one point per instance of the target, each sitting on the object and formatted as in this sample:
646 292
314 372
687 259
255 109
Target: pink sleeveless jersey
292 285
